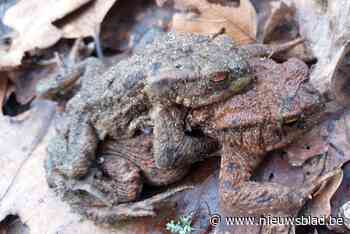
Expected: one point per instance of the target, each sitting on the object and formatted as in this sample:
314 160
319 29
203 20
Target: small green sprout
183 226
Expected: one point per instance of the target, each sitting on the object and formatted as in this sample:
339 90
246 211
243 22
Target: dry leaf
331 140
312 144
277 169
277 25
326 31
341 197
32 21
320 206
88 22
340 81
329 137
130 24
3 90
26 78
279 13
38 26
339 140
331 197
238 22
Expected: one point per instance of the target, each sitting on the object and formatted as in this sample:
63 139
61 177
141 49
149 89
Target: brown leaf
277 169
325 27
38 27
277 25
310 145
331 137
339 140
88 22
3 90
279 13
340 198
129 24
340 80
238 22
26 78
330 197
320 204
32 21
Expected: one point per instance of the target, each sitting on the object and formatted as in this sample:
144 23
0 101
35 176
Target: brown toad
115 106
119 108
280 106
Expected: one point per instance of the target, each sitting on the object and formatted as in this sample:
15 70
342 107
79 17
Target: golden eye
291 120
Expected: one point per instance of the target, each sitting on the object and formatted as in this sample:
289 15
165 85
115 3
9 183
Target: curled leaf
240 23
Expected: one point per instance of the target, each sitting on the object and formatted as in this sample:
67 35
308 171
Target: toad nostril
178 66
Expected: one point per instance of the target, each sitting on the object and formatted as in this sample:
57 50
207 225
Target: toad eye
296 122
291 120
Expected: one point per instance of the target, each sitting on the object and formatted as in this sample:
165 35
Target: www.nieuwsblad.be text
216 219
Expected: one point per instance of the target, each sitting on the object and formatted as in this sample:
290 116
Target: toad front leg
173 147
174 92
240 196
72 151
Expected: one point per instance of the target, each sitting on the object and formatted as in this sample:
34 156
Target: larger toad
117 109
115 105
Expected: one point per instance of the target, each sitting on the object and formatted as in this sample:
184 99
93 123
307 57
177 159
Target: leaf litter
323 26
240 23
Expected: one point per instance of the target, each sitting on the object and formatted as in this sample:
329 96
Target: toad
114 105
126 124
280 106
